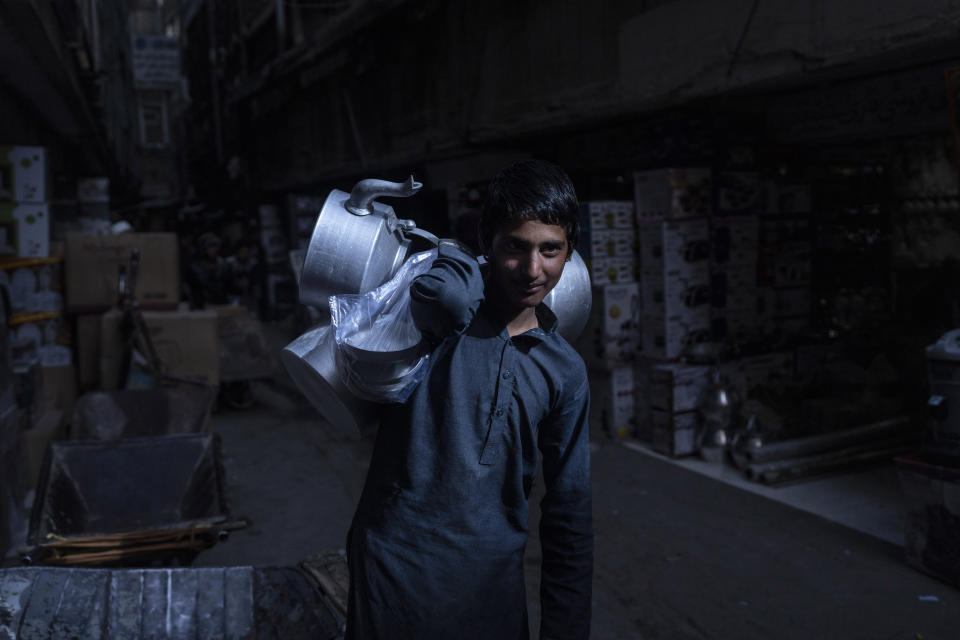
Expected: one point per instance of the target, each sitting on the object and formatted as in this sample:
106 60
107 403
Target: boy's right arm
444 300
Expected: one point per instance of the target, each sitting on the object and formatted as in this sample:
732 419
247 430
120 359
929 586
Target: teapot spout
365 191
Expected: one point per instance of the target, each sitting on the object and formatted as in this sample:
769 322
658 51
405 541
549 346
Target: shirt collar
545 318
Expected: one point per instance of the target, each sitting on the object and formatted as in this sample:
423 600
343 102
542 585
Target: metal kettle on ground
719 407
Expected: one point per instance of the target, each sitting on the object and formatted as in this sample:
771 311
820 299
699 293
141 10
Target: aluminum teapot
357 243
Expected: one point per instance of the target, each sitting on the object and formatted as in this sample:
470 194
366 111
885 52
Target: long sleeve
566 524
444 300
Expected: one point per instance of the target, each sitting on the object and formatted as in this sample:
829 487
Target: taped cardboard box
92 265
186 342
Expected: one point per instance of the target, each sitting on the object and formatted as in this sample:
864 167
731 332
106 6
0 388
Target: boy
436 547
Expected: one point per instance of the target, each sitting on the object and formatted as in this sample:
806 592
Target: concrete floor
679 554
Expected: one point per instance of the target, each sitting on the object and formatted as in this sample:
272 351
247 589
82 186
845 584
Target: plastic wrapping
381 354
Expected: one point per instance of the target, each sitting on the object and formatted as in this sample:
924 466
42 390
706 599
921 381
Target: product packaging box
931 497
35 284
672 193
676 387
676 294
599 215
677 246
734 324
792 266
186 342
735 287
612 403
787 198
666 337
25 229
610 243
23 174
92 265
735 240
612 270
675 434
738 193
611 336
793 302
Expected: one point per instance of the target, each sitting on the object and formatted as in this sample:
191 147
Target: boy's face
526 262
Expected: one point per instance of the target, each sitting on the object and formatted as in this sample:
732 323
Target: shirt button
506 375
498 412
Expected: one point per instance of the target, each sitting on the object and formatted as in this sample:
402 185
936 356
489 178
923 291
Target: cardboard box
35 284
86 344
677 246
735 240
605 214
23 174
792 302
610 243
735 288
675 434
611 336
666 337
672 193
931 495
186 342
25 229
676 387
787 198
738 192
676 294
612 270
792 266
612 403
735 324
92 264
780 231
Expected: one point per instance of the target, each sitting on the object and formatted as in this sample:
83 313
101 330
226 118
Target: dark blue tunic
437 543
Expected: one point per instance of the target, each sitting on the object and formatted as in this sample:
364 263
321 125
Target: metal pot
570 300
311 362
357 243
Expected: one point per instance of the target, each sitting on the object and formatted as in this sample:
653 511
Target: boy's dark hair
530 190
